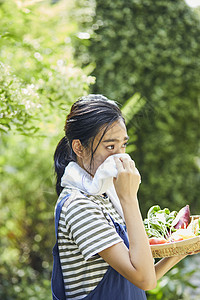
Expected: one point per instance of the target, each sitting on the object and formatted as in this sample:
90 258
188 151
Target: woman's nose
120 150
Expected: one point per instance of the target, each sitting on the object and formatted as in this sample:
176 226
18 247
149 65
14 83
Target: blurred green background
143 53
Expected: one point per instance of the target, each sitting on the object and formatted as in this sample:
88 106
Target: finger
125 162
128 164
137 173
132 164
119 164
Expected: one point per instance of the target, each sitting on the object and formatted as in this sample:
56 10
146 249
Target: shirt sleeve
89 227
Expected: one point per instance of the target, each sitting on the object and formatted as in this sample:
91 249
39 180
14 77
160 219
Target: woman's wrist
128 200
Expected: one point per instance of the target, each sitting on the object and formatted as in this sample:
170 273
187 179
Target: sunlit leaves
18 103
39 80
35 42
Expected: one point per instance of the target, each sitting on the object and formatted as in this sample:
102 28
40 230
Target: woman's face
114 141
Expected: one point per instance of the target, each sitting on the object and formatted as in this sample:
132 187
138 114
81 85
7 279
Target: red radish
182 219
155 241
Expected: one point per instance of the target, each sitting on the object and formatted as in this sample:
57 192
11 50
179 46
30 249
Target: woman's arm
136 263
165 264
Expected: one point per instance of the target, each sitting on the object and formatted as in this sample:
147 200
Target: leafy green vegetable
158 221
198 233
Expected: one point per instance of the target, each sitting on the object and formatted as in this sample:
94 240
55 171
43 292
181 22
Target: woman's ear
77 148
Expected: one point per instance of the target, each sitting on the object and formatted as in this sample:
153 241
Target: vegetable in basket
163 226
183 218
156 241
194 226
181 234
159 222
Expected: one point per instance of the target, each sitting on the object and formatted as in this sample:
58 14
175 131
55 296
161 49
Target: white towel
102 182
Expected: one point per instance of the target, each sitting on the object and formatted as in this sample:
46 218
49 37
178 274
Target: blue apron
112 286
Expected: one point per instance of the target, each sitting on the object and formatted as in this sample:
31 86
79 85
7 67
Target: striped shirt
84 230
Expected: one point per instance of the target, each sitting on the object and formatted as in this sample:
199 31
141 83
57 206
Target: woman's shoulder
80 202
76 197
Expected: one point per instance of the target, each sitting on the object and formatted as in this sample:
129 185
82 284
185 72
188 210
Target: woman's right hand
128 179
136 263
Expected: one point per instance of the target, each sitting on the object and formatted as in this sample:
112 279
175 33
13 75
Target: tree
18 103
38 83
150 49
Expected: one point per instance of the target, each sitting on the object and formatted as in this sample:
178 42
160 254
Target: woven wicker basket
177 248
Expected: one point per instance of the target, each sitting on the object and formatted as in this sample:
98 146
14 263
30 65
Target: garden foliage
150 50
143 54
38 83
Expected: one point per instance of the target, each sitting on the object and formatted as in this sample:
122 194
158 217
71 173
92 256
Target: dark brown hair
87 117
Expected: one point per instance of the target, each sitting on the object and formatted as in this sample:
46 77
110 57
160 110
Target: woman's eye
111 147
125 144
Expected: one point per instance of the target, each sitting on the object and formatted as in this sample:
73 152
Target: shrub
152 49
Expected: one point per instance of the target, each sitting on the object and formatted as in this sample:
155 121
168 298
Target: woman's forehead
117 131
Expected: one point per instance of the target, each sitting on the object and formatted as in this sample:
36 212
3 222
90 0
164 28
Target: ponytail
62 157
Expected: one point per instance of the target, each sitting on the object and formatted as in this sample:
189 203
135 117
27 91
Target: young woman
97 259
